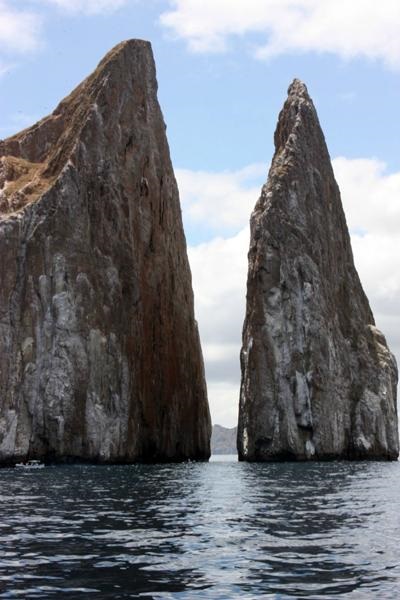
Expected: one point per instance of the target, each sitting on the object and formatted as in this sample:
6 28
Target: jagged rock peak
100 357
298 88
298 128
318 380
33 159
298 101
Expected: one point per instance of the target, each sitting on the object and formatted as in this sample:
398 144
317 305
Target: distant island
223 440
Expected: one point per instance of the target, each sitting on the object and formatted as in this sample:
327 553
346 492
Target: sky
223 68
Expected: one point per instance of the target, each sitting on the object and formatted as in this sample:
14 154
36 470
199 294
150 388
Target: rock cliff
100 357
318 379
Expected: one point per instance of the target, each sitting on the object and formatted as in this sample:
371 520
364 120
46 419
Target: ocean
201 530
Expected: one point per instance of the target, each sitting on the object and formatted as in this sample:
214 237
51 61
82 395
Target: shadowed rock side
100 357
318 380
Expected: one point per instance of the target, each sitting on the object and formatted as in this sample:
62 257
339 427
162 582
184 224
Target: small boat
31 464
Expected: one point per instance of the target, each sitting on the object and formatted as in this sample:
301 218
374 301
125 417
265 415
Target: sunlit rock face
100 357
318 379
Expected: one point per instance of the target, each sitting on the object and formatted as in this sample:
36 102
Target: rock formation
318 380
100 357
223 440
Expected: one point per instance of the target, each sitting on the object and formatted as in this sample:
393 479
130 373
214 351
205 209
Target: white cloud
219 270
377 260
224 403
348 28
371 199
220 201
370 196
89 7
19 29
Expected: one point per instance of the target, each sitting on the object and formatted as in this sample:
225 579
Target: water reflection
218 530
305 530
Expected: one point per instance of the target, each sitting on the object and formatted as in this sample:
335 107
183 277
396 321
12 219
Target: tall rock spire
318 380
100 356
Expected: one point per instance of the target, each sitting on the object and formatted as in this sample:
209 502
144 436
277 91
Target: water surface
197 530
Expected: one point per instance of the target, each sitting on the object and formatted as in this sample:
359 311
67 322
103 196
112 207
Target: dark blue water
217 530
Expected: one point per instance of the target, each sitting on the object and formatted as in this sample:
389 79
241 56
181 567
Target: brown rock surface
318 380
100 357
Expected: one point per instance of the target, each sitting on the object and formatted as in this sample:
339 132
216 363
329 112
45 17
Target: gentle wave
197 530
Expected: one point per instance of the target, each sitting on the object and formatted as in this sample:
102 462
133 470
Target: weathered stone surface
99 351
318 380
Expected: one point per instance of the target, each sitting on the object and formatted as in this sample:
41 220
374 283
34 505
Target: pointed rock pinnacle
318 379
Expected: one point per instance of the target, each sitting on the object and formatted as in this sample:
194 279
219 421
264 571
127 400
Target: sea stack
318 379
100 358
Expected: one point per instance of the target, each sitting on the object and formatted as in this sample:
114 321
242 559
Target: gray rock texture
100 358
318 379
223 440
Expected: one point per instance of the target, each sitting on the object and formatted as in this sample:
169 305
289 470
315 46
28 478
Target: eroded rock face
100 356
318 380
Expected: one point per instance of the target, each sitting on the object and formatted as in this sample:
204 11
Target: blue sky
223 70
